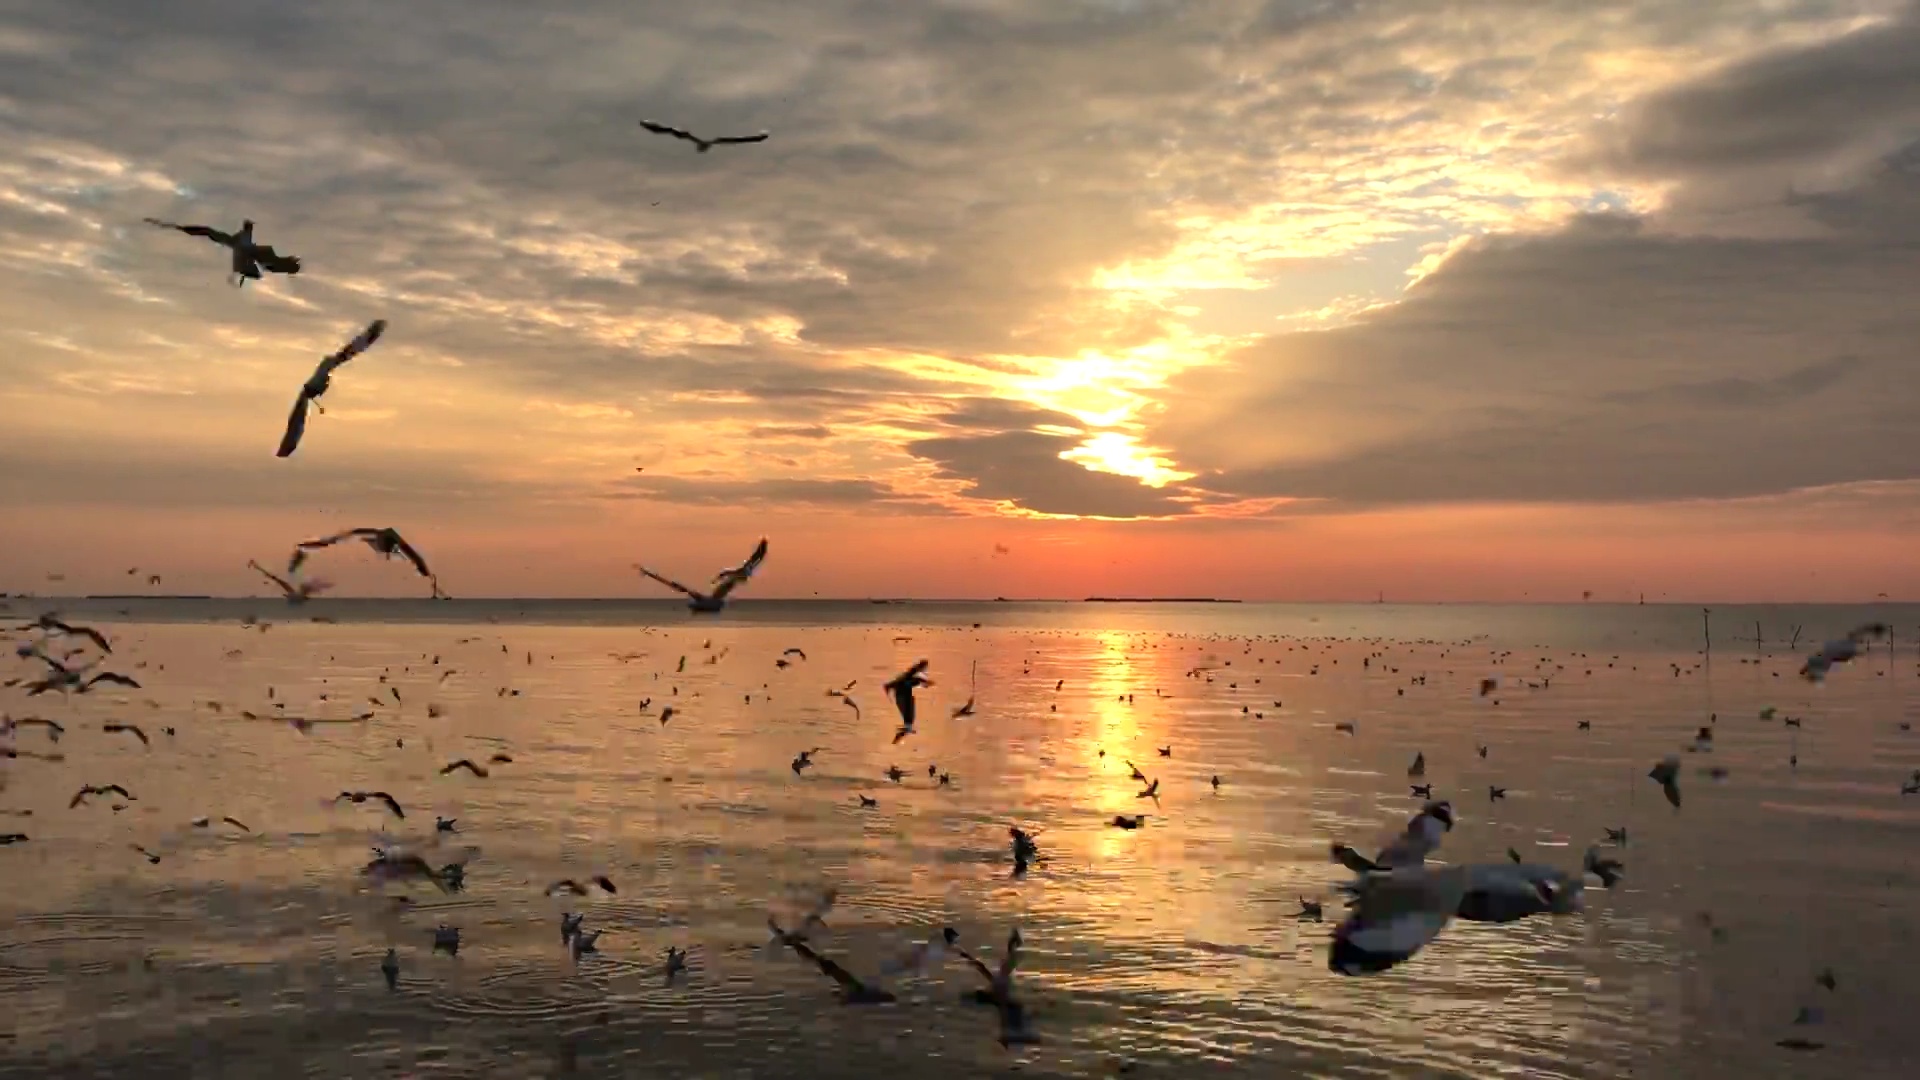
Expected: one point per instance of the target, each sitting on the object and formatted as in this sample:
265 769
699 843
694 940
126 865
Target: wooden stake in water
1706 627
1759 643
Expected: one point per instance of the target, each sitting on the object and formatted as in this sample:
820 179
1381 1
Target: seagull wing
361 343
1395 916
118 680
95 636
974 962
668 582
408 552
827 967
269 259
393 804
733 140
1009 959
296 427
212 234
667 129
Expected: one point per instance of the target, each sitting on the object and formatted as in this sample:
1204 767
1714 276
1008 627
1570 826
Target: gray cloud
1789 107
699 491
789 431
1608 362
946 180
1025 469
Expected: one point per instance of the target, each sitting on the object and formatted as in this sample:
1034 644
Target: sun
1122 455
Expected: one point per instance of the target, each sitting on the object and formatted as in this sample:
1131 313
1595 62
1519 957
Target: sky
1262 299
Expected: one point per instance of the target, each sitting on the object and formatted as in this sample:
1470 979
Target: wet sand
1173 947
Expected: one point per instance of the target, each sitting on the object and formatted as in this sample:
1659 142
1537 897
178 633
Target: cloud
1024 468
977 223
1604 362
1798 107
701 491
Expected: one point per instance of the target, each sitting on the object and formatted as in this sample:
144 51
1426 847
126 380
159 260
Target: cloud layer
970 275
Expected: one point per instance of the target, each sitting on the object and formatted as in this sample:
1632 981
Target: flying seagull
130 729
466 764
710 602
577 889
852 990
295 594
317 384
391 803
49 623
73 680
701 145
901 688
1667 775
105 789
1397 913
249 258
385 542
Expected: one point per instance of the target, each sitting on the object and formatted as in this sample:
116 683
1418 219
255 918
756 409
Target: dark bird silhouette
54 728
868 802
852 990
1667 775
1122 821
463 763
73 680
295 594
385 542
130 729
12 838
1421 791
999 990
151 857
248 258
801 654
106 789
724 583
320 381
1607 870
701 145
1419 767
901 688
49 623
1495 793
577 889
391 803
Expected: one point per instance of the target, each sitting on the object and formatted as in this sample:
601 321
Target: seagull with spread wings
385 542
701 145
317 384
50 624
711 602
73 680
249 258
295 593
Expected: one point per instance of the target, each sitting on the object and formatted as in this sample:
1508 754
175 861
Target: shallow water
1173 947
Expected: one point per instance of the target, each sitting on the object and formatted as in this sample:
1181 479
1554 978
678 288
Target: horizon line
882 601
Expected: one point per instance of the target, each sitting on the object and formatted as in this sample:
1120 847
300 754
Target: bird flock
1398 899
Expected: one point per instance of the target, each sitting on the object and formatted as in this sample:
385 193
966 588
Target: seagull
108 789
852 990
54 728
73 680
12 838
805 759
295 594
318 383
569 924
386 542
249 258
1422 835
1607 870
1122 821
1395 915
712 601
577 889
1151 791
1513 890
1421 791
202 823
1617 836
151 856
446 939
1495 793
1134 771
901 687
1345 727
392 803
867 802
463 763
49 623
701 145
1309 909
1419 767
676 962
1839 652
583 942
1667 773
390 967
999 992
130 729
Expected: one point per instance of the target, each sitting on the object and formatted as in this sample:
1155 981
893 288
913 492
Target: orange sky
1256 299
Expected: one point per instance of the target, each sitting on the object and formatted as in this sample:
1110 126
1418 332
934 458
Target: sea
1779 903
